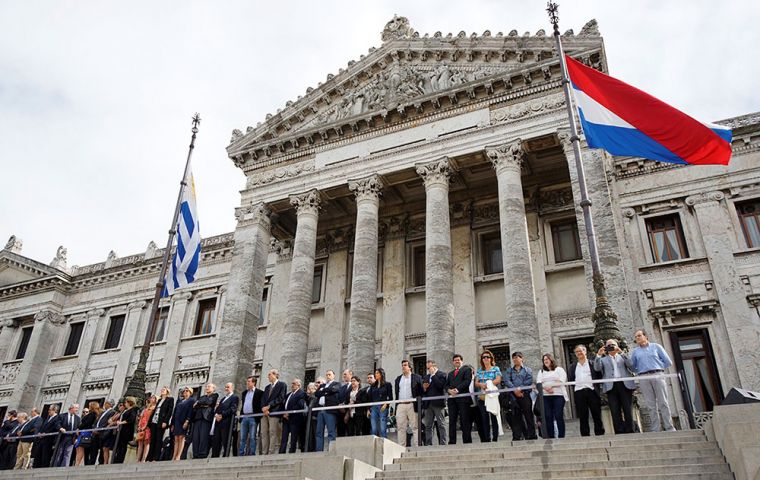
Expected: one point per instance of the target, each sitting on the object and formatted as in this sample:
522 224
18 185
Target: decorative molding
339 239
8 372
281 173
628 213
530 108
481 327
555 199
656 271
9 323
259 214
460 213
634 167
571 319
508 156
435 173
715 196
393 227
367 188
50 316
684 313
96 313
140 304
98 385
307 203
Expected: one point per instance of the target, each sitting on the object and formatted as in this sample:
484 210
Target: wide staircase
665 455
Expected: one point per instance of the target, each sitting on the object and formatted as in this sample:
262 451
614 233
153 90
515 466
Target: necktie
456 372
71 422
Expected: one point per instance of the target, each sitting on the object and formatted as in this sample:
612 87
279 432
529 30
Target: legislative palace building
421 201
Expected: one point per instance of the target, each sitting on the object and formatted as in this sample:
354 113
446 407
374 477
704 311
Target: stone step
563 455
581 464
660 476
233 472
580 472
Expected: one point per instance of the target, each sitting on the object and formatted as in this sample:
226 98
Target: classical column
742 331
439 292
134 313
85 350
240 322
363 314
295 338
173 336
48 326
522 325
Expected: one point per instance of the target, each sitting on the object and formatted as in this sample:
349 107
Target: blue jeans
247 437
554 411
325 418
379 421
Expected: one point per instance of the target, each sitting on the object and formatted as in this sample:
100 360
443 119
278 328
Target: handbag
140 436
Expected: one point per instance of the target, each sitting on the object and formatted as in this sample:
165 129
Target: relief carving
529 108
281 173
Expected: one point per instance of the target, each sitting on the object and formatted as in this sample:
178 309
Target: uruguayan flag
185 261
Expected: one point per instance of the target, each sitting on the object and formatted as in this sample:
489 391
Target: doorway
694 356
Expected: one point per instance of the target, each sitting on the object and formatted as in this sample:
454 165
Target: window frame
681 241
319 265
556 247
161 308
21 341
483 252
199 311
78 324
412 271
738 205
109 331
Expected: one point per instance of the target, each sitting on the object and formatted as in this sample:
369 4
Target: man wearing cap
650 358
519 376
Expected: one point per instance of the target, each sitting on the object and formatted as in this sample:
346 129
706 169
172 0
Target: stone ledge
735 428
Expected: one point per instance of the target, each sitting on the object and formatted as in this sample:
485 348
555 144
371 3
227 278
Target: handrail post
233 424
686 397
55 449
115 444
541 410
307 438
419 421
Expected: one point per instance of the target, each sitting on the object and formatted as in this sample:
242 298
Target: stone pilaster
295 336
334 320
278 298
539 282
394 301
465 342
48 326
239 326
742 331
522 324
134 315
363 314
439 292
8 329
85 350
174 329
608 241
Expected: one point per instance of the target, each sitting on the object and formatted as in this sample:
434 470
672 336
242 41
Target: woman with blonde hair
181 421
84 439
126 433
143 432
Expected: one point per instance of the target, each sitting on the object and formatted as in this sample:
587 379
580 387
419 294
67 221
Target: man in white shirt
408 387
584 392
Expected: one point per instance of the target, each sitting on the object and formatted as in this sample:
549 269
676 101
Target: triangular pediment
404 73
15 268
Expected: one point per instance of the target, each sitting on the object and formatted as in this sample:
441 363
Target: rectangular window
567 245
204 324
749 215
159 331
26 334
316 287
75 335
419 364
418 266
263 306
666 238
309 376
114 332
501 357
490 245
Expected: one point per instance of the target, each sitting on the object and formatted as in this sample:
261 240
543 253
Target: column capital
8 323
367 188
435 173
140 304
181 297
48 315
706 197
308 202
565 139
95 313
507 156
256 214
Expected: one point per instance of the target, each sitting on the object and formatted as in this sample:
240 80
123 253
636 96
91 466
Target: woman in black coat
181 421
126 434
159 422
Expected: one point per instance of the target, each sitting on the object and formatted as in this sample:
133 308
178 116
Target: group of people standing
212 423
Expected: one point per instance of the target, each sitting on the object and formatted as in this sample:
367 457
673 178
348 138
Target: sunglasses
485 356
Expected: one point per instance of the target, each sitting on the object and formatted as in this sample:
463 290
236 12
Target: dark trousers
587 400
292 431
523 421
201 429
621 407
120 450
460 410
554 411
156 441
219 439
490 423
356 423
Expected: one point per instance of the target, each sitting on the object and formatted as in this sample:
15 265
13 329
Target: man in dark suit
32 427
69 423
293 423
102 439
408 388
434 385
345 394
224 412
249 404
457 382
328 395
271 402
203 416
9 429
43 455
585 394
613 363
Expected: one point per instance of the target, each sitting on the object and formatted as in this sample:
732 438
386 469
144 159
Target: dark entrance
693 354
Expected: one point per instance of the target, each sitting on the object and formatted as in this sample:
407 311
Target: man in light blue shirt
651 359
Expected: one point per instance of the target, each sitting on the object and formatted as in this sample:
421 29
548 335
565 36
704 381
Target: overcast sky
96 96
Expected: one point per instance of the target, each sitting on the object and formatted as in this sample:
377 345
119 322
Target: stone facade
370 230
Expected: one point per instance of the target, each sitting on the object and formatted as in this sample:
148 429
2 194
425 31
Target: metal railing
59 435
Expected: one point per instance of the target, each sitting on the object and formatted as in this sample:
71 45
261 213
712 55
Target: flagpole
605 319
136 387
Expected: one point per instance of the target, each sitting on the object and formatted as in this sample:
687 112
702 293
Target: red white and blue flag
626 121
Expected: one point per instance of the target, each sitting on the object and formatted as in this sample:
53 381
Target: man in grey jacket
613 363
